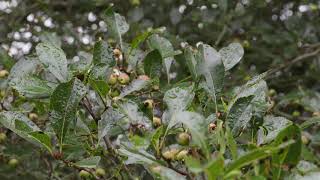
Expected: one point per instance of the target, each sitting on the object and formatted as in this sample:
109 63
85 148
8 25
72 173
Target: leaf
100 86
42 138
102 53
139 39
310 122
108 120
116 24
90 162
137 157
32 86
305 167
63 106
155 139
238 113
153 64
5 59
83 65
135 85
273 126
135 116
191 61
54 59
18 123
195 123
231 55
50 38
215 168
161 44
212 68
253 156
178 98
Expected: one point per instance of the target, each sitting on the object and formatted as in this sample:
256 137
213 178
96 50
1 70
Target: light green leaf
116 24
108 120
231 55
161 44
63 106
18 123
54 59
100 86
42 138
90 162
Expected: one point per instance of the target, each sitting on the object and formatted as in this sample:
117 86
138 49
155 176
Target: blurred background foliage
278 35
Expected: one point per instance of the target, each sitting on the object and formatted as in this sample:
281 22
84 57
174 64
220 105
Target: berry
156 121
3 137
304 139
100 172
13 162
4 73
212 126
272 92
148 103
170 154
123 78
84 174
112 80
182 154
296 114
183 138
33 116
117 52
156 169
144 77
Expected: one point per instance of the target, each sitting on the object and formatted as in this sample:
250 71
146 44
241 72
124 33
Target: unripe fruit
100 172
123 78
182 154
144 77
183 138
33 116
13 162
156 169
246 44
156 121
272 92
170 154
84 174
112 79
296 114
4 73
3 137
304 139
148 103
117 52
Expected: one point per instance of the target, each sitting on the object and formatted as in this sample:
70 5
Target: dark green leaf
153 64
42 138
103 54
231 55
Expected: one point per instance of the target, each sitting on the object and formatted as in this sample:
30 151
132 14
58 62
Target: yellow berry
100 172
182 154
13 162
183 138
123 78
156 121
4 73
33 116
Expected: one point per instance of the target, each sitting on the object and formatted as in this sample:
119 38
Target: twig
295 60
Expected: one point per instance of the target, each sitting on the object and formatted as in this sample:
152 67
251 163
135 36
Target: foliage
118 111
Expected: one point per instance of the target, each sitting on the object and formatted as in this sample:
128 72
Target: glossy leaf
63 106
43 138
231 55
53 59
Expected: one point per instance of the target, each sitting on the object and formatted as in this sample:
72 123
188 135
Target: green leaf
63 106
102 53
137 156
32 87
116 24
253 156
215 168
238 113
90 162
54 59
231 143
42 138
135 85
139 39
231 55
83 65
155 139
212 68
5 59
310 122
195 123
305 167
108 120
100 86
153 64
191 61
18 123
161 44
273 126
134 115
50 38
178 98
